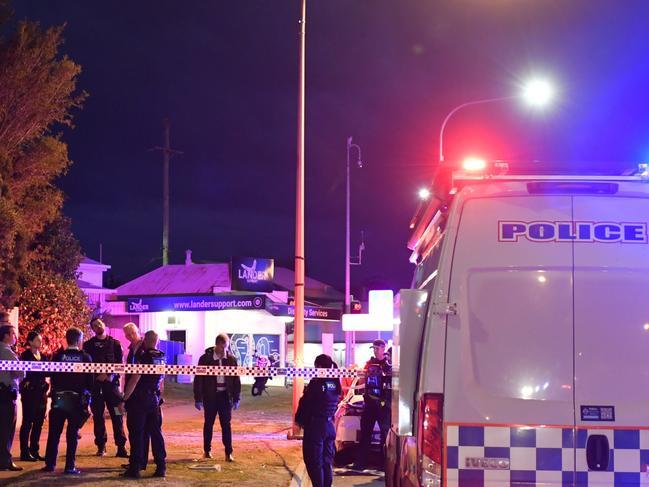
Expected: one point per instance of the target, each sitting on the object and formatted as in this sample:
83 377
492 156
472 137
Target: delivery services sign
569 231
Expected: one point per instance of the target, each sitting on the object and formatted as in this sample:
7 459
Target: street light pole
298 326
349 336
457 109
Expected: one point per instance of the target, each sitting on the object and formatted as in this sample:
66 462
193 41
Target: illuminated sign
195 303
547 231
380 317
252 274
314 313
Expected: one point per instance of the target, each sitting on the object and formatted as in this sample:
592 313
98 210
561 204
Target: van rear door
611 292
508 393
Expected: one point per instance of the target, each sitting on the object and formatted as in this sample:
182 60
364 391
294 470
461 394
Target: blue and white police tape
100 368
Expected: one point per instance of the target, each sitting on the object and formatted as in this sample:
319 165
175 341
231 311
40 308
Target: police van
522 353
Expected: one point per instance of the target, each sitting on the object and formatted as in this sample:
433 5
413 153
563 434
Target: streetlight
423 193
536 92
349 336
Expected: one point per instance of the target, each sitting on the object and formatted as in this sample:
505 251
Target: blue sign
252 274
546 231
195 303
310 312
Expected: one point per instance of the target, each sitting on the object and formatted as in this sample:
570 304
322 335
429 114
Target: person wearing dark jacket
70 400
315 414
33 394
218 395
106 392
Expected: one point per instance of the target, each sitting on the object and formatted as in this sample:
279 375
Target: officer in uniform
142 400
377 401
8 394
33 395
70 400
315 415
106 392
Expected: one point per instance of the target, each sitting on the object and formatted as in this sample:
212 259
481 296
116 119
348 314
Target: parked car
347 421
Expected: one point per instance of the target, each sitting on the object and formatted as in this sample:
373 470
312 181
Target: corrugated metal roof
178 279
203 278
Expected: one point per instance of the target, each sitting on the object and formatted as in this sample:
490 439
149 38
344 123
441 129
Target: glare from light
538 92
474 164
542 279
527 391
423 193
646 326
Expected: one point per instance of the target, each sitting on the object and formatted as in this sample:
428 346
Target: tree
37 96
56 250
50 304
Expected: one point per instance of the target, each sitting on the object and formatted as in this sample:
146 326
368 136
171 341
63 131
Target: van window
426 273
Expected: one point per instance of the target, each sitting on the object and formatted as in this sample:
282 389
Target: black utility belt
8 393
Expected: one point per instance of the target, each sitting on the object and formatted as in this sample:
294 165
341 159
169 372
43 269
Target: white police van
522 353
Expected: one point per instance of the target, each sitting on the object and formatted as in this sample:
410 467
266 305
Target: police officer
8 394
135 349
105 392
33 395
315 415
70 400
142 400
377 401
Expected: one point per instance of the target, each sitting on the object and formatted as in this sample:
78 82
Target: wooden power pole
167 152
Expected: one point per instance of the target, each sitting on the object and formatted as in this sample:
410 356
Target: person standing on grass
33 394
8 394
218 395
70 401
106 393
144 419
315 415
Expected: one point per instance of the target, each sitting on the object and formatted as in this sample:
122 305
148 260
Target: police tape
221 370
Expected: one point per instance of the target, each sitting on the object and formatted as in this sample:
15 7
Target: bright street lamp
423 193
537 93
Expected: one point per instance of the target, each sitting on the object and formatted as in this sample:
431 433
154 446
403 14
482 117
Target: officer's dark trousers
7 430
143 422
103 397
221 407
318 451
373 412
34 404
57 419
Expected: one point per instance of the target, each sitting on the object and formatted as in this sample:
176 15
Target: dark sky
384 71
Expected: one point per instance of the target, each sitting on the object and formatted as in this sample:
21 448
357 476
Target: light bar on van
571 187
474 164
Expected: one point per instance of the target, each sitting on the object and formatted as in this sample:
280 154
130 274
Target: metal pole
458 108
349 349
298 332
166 153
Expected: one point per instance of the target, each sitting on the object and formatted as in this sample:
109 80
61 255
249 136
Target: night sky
383 71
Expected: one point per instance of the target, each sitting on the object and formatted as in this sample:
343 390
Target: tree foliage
56 250
50 304
37 96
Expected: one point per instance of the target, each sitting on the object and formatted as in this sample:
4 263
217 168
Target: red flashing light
430 435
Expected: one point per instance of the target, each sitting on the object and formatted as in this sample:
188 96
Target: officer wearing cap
142 399
315 414
105 392
8 394
70 399
376 399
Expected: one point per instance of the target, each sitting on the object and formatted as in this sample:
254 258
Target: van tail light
430 435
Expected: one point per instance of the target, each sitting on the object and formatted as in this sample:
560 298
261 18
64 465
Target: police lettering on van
566 231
